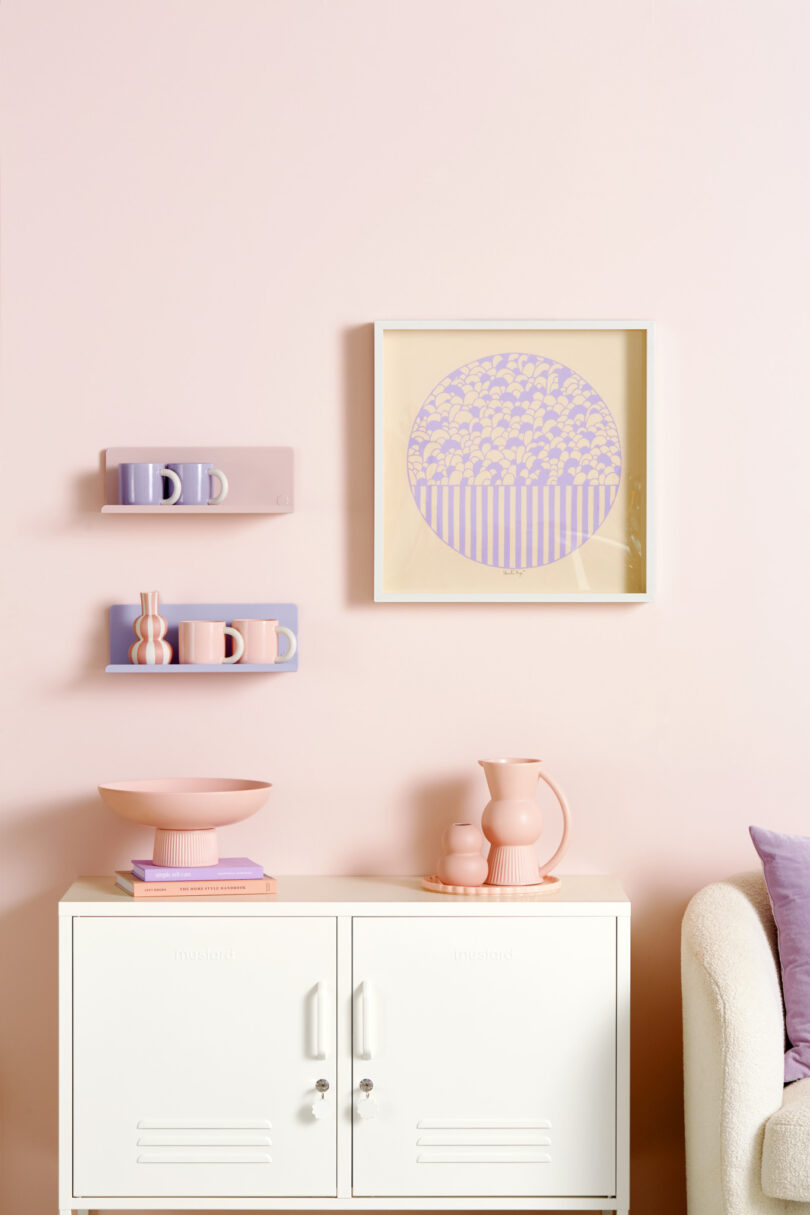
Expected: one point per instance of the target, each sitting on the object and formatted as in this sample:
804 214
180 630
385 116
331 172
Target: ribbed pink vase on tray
512 821
150 629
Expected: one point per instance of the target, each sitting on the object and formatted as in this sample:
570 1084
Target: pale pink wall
204 205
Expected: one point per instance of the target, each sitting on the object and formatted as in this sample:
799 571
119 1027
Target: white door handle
320 1022
366 1021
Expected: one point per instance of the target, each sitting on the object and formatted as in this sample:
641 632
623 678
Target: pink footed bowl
185 812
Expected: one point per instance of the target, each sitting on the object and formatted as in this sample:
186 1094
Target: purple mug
196 484
142 485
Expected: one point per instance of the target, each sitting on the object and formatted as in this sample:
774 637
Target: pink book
144 890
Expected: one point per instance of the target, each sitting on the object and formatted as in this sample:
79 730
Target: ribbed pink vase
150 628
512 821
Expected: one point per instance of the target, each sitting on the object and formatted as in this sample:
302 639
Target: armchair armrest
734 1043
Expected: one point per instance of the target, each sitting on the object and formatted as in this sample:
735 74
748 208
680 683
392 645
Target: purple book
228 868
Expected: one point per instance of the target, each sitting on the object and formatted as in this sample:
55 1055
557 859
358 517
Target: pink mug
202 642
261 641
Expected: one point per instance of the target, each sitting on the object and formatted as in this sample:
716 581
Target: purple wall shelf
122 617
261 478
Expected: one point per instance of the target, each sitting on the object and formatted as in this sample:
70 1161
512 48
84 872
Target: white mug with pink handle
261 641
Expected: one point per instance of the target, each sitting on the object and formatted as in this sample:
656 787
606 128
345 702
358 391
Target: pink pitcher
512 821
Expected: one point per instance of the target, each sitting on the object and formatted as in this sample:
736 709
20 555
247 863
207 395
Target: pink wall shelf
261 478
122 617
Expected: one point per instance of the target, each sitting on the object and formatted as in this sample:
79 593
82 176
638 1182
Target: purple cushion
786 864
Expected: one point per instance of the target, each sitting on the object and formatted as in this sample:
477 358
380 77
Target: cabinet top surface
591 895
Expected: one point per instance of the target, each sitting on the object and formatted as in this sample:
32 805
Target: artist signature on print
518 572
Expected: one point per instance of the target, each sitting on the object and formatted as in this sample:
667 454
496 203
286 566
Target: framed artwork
512 461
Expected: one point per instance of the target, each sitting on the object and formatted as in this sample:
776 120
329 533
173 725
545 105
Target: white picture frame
641 334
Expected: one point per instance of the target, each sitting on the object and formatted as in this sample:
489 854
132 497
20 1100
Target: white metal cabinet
188 1025
491 1047
197 1044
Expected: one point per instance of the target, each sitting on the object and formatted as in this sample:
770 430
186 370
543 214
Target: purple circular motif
514 460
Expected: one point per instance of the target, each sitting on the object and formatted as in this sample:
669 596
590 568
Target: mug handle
177 484
292 644
566 813
238 644
223 487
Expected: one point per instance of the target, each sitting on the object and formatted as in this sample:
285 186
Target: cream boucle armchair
747 1136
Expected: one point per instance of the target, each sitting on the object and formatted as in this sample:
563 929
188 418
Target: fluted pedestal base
513 865
185 849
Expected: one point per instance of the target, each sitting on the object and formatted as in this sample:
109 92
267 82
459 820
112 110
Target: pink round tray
547 886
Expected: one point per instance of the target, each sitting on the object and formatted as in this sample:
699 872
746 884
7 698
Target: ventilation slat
204 1157
223 1139
484 1156
489 1138
475 1124
204 1124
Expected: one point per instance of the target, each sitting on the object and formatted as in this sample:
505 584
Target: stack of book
233 875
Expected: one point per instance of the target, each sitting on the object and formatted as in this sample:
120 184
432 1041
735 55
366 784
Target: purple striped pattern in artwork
515 526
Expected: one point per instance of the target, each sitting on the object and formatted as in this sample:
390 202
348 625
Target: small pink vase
512 821
150 628
462 863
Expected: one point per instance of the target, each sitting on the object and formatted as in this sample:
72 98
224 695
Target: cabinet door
197 1045
491 1045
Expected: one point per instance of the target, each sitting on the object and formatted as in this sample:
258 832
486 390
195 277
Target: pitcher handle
566 814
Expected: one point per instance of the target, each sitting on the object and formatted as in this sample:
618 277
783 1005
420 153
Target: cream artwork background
417 561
